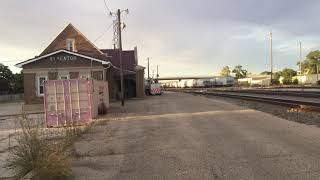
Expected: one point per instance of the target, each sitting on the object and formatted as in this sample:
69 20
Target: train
200 83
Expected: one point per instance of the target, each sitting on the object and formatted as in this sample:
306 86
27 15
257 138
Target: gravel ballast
291 114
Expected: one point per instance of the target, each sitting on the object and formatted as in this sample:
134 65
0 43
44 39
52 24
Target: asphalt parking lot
182 136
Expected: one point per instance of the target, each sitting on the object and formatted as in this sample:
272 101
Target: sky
183 37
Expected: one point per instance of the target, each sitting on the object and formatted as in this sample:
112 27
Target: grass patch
42 151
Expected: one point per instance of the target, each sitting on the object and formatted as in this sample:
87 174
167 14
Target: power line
106 5
103 33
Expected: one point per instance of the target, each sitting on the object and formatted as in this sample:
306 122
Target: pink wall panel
68 102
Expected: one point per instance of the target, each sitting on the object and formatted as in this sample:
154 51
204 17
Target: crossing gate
68 102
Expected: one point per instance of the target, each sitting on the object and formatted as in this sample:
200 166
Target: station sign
63 58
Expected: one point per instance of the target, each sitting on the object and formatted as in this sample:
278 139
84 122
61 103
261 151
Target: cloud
182 36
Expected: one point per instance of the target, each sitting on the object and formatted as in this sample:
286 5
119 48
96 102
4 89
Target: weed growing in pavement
42 151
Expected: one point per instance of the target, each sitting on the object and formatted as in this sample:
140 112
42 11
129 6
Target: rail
276 92
305 104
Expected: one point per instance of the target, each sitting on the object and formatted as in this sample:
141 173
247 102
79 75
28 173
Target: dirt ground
181 136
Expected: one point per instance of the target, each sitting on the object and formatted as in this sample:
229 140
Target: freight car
201 83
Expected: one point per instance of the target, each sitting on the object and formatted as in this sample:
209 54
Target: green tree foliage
5 78
287 75
295 82
265 73
5 72
9 82
312 61
225 71
16 84
276 77
240 73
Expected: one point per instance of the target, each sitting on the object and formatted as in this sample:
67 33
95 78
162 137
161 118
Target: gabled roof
128 58
19 65
83 45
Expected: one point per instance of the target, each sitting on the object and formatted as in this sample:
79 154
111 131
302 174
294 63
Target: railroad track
312 105
300 93
276 92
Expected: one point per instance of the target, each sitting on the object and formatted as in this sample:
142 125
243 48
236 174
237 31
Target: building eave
20 65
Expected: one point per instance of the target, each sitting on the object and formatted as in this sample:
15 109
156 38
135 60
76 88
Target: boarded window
74 75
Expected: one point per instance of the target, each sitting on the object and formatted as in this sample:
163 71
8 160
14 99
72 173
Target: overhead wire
108 28
103 33
99 37
107 7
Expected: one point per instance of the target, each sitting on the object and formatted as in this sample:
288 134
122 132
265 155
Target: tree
5 78
265 73
225 71
16 84
277 75
9 82
309 65
240 73
5 72
287 75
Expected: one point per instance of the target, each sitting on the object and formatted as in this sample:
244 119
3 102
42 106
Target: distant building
197 82
255 80
311 79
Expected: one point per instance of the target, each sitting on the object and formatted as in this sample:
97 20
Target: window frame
38 85
67 76
71 48
84 76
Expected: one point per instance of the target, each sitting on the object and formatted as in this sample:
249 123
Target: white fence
11 97
308 79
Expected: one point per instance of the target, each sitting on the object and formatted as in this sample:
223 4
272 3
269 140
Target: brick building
71 56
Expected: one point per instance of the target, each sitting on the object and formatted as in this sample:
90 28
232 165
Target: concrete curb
30 113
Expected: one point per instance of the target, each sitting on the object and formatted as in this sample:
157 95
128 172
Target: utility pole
120 55
271 58
157 72
300 59
301 63
148 71
317 70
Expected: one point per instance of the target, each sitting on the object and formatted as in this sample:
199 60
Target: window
70 44
86 77
64 77
41 81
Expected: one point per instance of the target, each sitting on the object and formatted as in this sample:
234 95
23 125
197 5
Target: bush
35 153
287 81
295 82
275 82
102 108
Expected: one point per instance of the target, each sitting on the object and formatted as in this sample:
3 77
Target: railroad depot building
72 56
